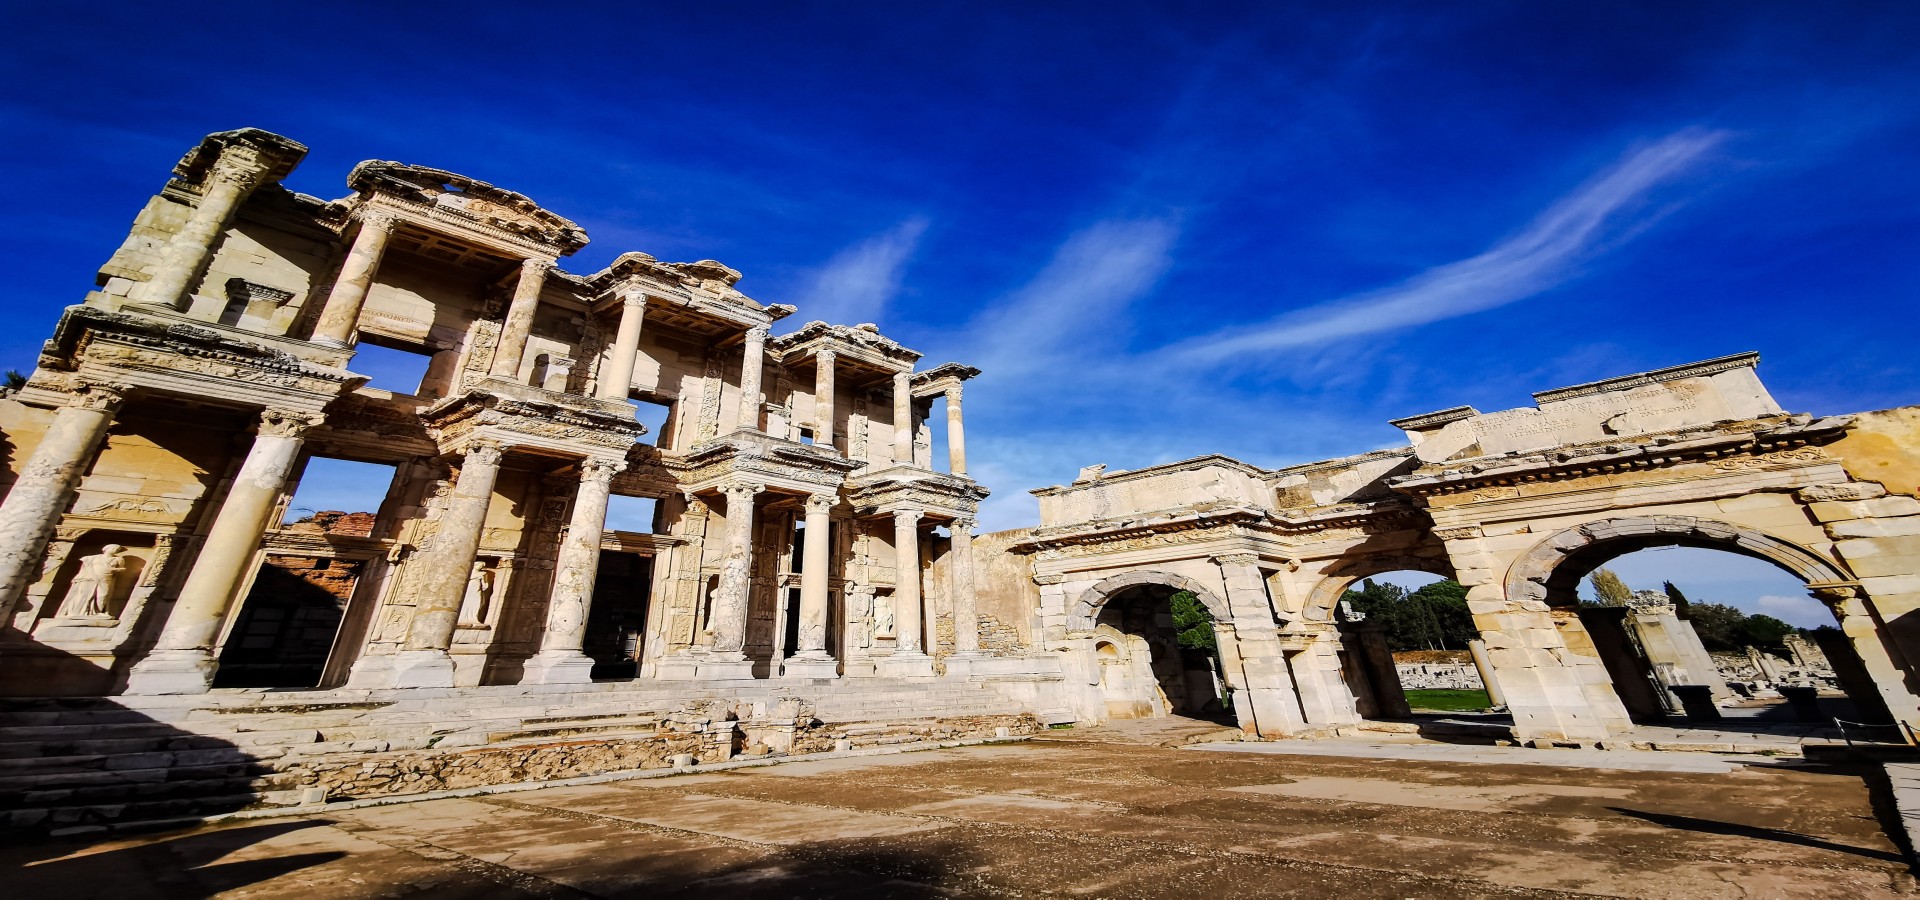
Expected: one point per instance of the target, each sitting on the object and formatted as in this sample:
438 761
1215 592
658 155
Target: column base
676 668
335 343
907 664
721 669
371 672
172 672
960 665
423 669
802 665
558 667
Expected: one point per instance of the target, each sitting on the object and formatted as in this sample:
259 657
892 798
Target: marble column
1484 666
519 324
45 486
424 661
232 177
909 656
728 618
340 318
752 359
966 616
182 661
903 418
560 660
811 659
823 362
956 434
616 379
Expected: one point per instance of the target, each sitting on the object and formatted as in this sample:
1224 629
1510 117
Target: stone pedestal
905 664
800 666
557 667
717 668
423 669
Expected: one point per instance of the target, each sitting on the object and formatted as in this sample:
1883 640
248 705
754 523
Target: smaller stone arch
1327 593
1540 573
1085 610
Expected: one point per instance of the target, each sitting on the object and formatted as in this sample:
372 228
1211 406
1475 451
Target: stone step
63 816
22 792
560 731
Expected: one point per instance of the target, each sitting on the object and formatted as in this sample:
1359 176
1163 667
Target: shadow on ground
183 866
1734 829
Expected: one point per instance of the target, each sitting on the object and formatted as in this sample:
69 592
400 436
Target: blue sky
1162 229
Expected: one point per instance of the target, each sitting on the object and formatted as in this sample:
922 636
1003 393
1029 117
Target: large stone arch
1084 612
1334 584
1542 573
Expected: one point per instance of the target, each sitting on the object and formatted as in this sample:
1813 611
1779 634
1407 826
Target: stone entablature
453 201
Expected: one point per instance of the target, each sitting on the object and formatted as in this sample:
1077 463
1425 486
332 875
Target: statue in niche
90 595
478 601
883 616
729 598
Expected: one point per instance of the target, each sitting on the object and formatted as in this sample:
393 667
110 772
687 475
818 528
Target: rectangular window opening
392 365
635 514
339 496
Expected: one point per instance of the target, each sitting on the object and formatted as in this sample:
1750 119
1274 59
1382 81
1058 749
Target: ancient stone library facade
809 561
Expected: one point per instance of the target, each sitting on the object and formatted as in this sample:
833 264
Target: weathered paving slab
1040 819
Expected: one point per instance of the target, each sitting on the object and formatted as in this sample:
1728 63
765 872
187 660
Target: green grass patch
1449 700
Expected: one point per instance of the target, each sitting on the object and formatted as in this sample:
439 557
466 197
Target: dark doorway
617 623
1180 637
287 624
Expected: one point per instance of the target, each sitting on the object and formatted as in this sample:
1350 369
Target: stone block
1858 490
1907 526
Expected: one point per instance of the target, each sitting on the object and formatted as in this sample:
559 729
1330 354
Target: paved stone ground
1043 818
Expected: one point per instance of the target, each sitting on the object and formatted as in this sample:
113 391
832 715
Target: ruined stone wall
1003 586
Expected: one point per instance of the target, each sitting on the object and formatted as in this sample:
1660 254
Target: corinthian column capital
483 453
288 423
378 219
99 396
601 471
743 493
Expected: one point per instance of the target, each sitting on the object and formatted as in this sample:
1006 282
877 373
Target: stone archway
1145 667
1084 612
1542 573
1326 594
1623 642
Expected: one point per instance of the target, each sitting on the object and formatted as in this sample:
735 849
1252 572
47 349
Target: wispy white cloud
1541 256
1081 295
1802 611
857 283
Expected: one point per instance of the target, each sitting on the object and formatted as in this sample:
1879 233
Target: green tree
15 380
1446 603
1719 626
1609 588
1765 631
1435 617
1192 624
